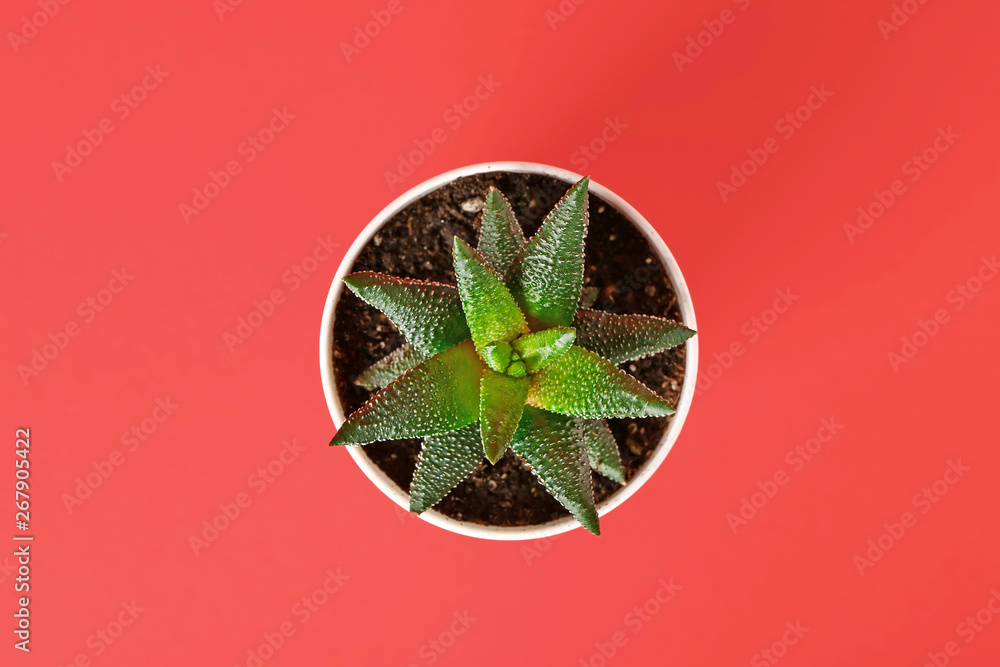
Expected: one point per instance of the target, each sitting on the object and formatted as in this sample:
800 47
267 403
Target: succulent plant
509 358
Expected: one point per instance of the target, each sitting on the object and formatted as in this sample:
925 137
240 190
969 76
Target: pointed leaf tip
445 460
583 384
501 403
657 408
547 275
620 338
552 446
428 314
438 395
602 449
500 235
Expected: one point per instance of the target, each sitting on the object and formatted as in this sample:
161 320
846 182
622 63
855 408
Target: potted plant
481 380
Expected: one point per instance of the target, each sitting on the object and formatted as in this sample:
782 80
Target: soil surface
417 243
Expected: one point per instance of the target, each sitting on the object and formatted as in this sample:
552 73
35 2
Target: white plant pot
401 497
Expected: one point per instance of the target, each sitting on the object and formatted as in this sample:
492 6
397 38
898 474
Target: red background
324 174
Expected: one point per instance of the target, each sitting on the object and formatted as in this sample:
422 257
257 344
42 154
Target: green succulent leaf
498 355
540 349
620 338
602 450
490 310
445 460
428 314
583 384
500 236
588 297
390 367
547 274
550 445
517 369
501 403
438 395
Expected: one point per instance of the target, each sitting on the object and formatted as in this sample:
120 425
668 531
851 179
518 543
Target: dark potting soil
417 243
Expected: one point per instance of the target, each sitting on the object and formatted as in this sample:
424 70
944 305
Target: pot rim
564 524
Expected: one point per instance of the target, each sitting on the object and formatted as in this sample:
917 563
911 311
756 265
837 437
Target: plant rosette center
510 358
529 353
